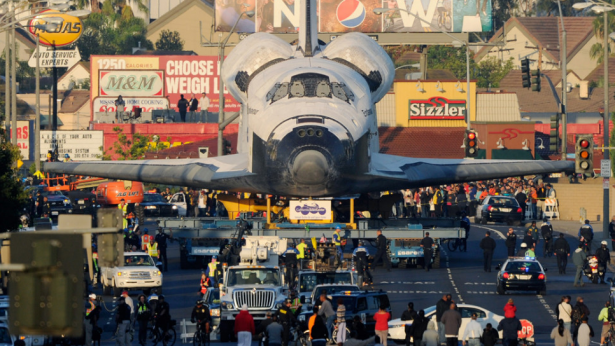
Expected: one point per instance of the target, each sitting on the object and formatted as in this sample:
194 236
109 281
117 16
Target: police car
521 274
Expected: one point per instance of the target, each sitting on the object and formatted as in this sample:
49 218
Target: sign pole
14 86
7 76
605 124
37 126
54 125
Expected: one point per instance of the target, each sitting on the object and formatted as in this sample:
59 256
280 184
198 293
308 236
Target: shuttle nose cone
310 167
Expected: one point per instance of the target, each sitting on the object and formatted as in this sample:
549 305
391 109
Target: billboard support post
54 125
37 126
221 91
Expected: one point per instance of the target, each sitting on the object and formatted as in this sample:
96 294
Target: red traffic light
471 135
584 144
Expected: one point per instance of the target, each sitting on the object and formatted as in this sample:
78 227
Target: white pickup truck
138 273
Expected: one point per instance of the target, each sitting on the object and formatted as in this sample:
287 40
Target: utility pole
564 58
605 123
7 77
37 127
468 113
14 86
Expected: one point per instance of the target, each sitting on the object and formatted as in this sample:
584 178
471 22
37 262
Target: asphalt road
461 275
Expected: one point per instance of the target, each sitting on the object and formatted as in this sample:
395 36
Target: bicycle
610 336
201 337
454 244
156 333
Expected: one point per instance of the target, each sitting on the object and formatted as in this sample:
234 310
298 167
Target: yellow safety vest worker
301 247
90 309
95 260
152 250
124 209
212 269
145 239
336 240
294 305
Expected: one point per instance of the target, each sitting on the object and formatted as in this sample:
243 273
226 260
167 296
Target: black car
501 209
154 205
58 203
358 303
84 203
521 274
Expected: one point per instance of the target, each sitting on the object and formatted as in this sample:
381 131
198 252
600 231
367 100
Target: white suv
138 273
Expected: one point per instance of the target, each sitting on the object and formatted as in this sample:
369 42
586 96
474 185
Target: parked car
499 209
154 205
397 330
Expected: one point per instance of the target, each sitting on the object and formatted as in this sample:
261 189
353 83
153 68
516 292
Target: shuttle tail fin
308 28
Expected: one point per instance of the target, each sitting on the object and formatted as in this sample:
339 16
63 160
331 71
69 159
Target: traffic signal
554 134
525 73
584 154
536 80
471 143
48 297
110 250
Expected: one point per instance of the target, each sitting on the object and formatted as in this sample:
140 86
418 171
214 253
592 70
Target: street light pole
7 77
605 124
221 82
468 114
564 57
14 87
37 127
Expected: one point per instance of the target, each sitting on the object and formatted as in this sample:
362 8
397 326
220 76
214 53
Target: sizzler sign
437 107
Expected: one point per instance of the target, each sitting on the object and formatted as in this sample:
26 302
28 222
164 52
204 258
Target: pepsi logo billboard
339 16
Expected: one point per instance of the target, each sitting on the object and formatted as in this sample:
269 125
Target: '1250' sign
131 83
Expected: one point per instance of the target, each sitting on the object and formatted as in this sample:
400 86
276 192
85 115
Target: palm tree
596 51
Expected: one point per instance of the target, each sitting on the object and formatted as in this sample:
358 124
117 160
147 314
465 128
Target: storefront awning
511 154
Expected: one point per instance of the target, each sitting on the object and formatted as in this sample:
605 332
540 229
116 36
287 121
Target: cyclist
201 316
163 317
547 234
607 317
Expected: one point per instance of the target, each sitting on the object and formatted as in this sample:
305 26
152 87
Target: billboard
80 145
437 108
23 137
338 16
131 83
103 104
155 78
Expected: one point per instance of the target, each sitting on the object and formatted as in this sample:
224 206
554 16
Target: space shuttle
308 126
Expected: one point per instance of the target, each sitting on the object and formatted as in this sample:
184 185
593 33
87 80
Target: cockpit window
297 89
310 85
278 92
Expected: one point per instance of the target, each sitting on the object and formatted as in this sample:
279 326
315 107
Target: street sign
605 183
527 330
605 168
57 58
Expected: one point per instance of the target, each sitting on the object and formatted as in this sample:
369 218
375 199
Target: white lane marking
540 298
479 283
480 292
408 282
450 276
416 292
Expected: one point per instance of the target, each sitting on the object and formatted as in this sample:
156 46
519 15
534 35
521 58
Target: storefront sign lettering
437 107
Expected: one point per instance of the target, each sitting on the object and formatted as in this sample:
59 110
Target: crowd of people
456 199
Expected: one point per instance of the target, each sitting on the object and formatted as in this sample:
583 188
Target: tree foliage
133 148
596 51
502 11
550 8
170 41
488 72
113 31
12 194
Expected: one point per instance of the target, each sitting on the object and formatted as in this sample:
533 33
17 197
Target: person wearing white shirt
564 312
473 332
204 108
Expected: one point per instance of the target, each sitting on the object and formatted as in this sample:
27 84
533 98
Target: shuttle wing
220 173
419 172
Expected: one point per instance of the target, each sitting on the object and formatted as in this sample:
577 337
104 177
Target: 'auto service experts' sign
80 145
437 107
310 210
131 83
